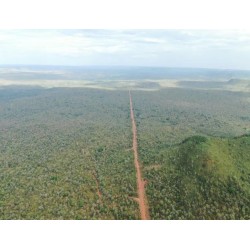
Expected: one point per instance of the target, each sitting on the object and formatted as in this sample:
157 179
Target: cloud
133 47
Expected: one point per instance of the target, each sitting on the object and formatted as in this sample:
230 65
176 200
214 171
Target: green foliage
58 147
194 182
193 167
196 139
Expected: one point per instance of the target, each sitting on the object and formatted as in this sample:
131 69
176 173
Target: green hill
202 178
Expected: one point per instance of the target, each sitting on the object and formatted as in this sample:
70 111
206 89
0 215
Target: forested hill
202 178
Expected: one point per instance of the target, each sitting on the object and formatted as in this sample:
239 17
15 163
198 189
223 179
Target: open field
67 152
138 78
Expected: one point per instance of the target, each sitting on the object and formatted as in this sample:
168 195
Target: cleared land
142 198
125 78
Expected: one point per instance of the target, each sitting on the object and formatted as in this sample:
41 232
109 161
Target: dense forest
201 178
65 153
194 147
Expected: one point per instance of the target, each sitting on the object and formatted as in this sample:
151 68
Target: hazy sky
171 48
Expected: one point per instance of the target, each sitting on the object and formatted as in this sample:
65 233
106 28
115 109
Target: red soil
97 186
142 199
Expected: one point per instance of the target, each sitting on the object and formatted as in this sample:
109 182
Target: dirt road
97 186
142 199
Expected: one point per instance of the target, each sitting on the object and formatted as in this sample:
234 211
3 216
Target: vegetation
58 148
194 167
65 153
201 178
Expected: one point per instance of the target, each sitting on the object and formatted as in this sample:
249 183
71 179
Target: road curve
142 199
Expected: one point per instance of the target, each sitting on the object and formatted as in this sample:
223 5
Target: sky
223 49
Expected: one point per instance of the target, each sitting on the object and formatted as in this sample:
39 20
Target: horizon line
122 66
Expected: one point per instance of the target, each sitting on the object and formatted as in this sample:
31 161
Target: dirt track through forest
97 186
142 199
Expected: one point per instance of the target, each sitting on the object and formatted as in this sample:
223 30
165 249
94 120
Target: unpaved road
142 199
97 186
